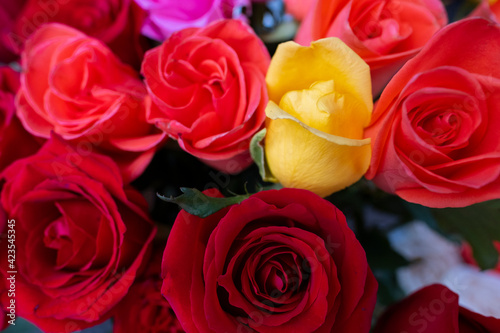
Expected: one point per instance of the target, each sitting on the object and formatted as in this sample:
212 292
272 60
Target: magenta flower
168 16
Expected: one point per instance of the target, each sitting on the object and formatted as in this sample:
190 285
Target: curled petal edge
273 111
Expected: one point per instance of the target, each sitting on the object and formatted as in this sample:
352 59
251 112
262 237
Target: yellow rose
320 102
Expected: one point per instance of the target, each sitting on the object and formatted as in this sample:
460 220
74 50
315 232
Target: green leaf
478 224
259 157
196 203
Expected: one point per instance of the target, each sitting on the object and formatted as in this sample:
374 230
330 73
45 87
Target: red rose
9 9
434 130
487 10
434 309
15 142
75 86
280 261
80 236
144 309
468 256
385 33
3 221
4 303
115 22
208 91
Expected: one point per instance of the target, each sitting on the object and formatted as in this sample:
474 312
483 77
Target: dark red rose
9 9
3 221
115 22
280 261
4 303
15 142
144 309
81 236
434 309
208 91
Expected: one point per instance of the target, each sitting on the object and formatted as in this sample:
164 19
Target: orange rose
385 33
76 87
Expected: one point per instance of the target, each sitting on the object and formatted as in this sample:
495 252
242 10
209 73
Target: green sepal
196 203
259 157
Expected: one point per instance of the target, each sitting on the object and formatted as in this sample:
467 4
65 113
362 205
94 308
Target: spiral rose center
278 277
441 128
204 75
446 119
378 26
276 281
56 235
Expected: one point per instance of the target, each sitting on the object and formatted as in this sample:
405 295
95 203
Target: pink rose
168 16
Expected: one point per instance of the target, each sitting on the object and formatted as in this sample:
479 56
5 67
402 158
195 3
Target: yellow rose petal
296 67
314 137
303 157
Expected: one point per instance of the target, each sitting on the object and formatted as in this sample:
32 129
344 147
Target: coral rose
435 128
75 86
208 91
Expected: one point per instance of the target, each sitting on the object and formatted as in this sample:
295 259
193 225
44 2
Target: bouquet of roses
237 166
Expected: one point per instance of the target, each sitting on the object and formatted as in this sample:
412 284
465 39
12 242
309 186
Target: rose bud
320 102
